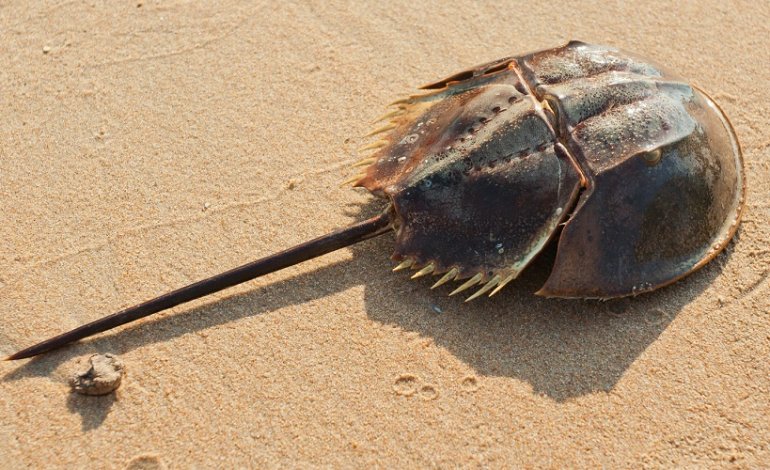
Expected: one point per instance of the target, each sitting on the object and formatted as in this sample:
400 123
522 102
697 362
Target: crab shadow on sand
562 348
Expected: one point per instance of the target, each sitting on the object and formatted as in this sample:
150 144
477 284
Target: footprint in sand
469 384
406 385
146 462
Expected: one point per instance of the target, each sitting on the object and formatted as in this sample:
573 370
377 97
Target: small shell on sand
102 377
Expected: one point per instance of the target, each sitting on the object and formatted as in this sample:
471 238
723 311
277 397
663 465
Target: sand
145 145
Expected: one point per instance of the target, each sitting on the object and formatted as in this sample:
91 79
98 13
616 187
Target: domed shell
643 171
665 171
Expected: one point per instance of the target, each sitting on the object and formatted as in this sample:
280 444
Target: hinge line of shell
553 126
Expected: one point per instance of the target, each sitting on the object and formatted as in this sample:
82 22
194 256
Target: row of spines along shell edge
496 282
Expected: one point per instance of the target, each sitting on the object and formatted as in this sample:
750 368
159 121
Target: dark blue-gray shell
643 171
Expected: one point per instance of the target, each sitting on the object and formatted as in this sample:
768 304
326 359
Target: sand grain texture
146 145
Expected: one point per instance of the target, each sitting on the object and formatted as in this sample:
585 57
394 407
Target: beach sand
145 145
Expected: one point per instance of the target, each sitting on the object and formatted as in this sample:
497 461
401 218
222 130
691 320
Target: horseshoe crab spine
303 252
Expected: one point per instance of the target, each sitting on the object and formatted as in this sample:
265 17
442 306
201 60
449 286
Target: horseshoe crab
636 173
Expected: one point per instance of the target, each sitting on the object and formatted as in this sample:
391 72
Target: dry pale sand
144 145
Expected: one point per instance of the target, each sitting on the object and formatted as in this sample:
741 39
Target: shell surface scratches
643 171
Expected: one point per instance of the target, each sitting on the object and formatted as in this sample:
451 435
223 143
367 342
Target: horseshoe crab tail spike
374 145
400 101
446 278
352 180
303 252
382 129
503 283
407 263
387 116
364 162
468 284
487 287
424 271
